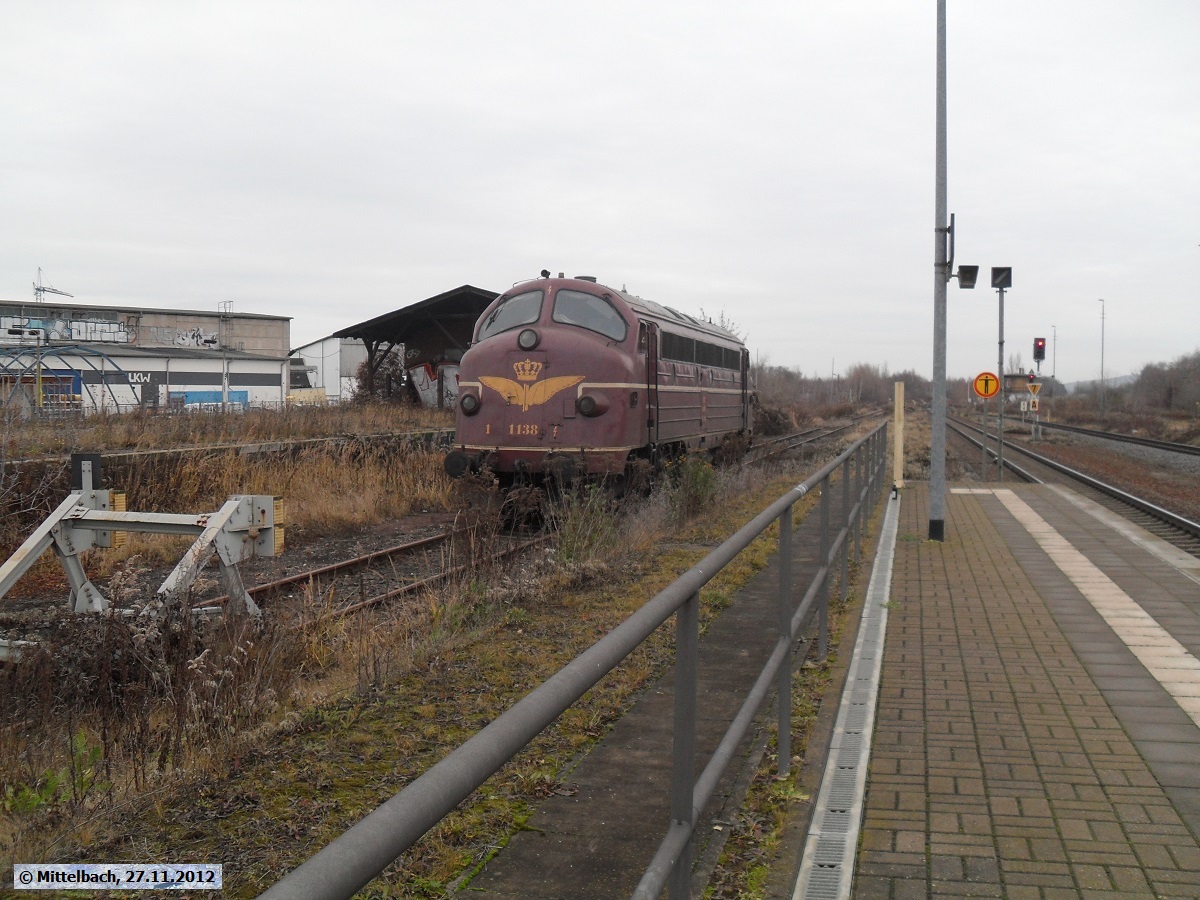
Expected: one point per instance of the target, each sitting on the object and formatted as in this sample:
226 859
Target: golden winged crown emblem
527 390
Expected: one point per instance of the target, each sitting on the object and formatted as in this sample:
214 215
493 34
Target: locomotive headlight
593 404
469 404
527 339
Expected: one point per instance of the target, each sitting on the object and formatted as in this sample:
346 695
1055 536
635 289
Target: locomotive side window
590 312
678 347
685 349
523 309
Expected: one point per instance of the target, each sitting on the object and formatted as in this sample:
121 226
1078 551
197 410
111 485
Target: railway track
1173 446
777 447
375 578
341 588
1034 467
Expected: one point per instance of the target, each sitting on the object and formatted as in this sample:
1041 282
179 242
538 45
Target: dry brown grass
151 431
368 703
329 486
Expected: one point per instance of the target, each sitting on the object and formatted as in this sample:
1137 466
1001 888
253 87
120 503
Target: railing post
845 530
861 493
875 448
876 471
784 682
823 606
683 757
868 462
883 445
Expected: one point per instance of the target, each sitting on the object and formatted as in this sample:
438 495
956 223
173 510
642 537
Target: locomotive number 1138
525 429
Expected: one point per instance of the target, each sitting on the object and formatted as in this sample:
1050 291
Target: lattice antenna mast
40 290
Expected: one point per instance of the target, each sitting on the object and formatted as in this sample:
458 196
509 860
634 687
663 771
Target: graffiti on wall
196 337
37 329
437 389
169 336
43 329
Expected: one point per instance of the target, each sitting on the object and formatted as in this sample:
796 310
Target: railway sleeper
245 526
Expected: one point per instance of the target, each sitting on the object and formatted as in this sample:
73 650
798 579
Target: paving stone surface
1021 749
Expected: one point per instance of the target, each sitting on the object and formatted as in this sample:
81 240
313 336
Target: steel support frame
242 528
57 533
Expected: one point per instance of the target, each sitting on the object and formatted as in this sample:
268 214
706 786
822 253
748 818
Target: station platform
1037 729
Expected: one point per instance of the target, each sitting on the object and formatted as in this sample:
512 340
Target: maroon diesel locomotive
568 378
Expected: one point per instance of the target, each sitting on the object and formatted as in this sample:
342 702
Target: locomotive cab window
523 309
590 312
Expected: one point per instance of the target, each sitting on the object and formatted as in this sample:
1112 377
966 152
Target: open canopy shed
433 332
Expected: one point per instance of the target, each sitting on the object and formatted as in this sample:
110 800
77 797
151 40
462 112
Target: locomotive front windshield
590 312
522 309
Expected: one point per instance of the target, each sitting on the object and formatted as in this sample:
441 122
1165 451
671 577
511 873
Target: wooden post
898 446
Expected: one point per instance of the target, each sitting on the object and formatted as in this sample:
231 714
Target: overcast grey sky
769 160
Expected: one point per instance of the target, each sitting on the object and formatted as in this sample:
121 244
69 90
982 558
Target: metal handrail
356 857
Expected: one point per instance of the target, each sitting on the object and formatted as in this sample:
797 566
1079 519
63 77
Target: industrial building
69 357
326 370
80 358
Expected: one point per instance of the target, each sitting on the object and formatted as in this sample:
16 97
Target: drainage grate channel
827 870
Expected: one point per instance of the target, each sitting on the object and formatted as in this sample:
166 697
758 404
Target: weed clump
111 704
692 486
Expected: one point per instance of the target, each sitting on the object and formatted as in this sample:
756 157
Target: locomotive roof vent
591 278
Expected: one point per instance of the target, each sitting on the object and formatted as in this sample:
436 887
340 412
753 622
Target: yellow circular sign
986 385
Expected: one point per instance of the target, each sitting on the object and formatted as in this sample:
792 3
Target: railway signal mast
1039 354
1001 279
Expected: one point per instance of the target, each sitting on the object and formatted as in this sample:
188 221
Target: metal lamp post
943 271
941 274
